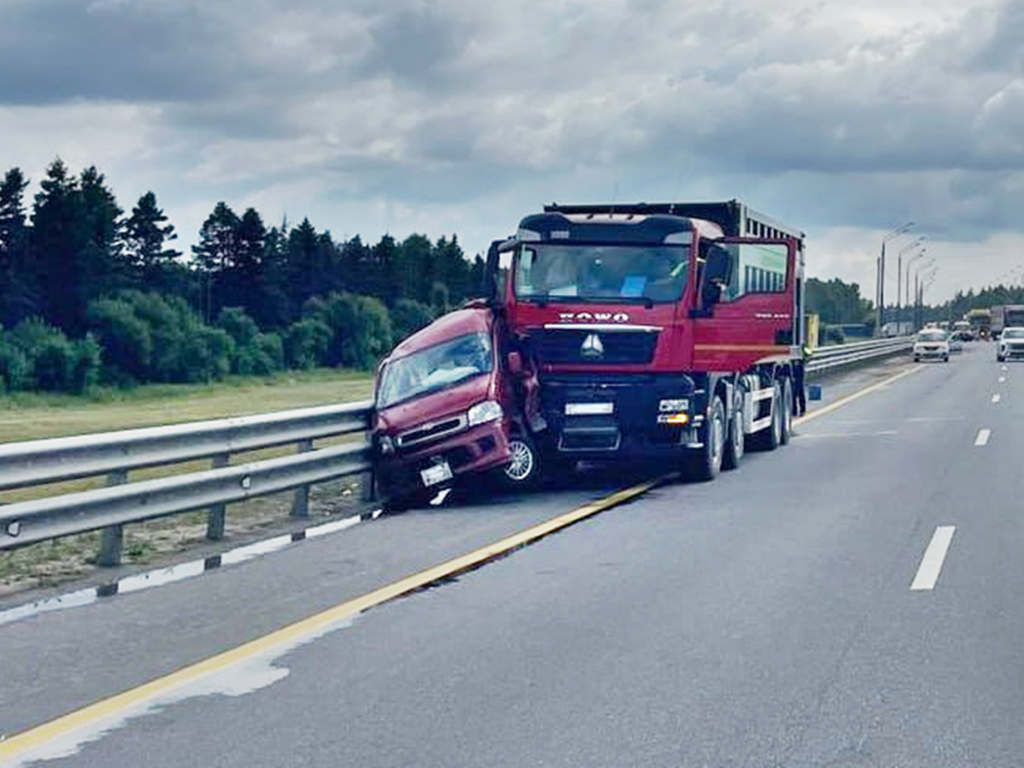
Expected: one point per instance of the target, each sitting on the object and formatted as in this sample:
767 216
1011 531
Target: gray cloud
831 114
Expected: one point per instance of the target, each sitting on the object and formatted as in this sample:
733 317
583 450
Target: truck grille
611 348
432 431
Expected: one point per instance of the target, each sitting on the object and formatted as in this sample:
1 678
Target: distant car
931 344
956 342
447 406
1010 345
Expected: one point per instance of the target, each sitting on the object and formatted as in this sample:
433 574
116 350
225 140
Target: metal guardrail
829 358
114 454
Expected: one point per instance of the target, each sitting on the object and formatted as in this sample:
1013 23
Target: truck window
611 273
760 268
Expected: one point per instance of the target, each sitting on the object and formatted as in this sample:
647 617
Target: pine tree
216 251
18 293
59 237
145 236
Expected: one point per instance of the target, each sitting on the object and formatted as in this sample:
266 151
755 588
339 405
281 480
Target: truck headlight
386 445
484 412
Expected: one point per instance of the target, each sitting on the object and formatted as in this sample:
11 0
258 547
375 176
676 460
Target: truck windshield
435 368
602 273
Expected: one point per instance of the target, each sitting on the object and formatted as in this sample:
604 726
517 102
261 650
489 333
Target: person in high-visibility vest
800 398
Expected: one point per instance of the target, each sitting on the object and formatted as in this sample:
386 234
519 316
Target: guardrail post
218 512
112 543
300 504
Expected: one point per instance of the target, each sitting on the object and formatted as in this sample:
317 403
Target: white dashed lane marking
931 564
983 437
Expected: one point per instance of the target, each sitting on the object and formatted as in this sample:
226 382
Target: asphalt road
852 599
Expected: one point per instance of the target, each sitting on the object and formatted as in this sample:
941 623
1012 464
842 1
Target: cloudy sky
461 116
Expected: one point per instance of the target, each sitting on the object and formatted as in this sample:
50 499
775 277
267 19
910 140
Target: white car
1010 344
931 343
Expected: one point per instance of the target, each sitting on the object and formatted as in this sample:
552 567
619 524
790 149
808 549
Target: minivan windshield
435 368
602 273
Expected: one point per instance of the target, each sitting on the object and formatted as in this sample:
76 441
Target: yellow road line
88 716
106 708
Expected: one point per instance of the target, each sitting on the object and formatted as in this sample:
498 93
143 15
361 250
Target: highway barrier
115 454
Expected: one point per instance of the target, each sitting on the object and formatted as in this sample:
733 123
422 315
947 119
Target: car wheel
917 359
735 445
705 463
524 470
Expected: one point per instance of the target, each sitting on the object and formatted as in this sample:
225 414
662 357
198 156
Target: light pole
898 232
918 275
899 278
910 261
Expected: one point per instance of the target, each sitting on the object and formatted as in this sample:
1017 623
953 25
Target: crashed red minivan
448 406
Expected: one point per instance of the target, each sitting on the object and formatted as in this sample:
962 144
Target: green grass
30 416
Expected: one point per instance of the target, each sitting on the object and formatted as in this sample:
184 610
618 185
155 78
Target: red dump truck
656 330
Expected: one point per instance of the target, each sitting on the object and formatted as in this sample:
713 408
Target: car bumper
478 449
934 354
1013 354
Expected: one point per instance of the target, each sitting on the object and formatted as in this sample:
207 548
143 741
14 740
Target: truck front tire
735 446
705 463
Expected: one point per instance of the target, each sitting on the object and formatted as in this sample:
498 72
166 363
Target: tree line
91 293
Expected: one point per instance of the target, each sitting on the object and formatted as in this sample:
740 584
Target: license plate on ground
436 474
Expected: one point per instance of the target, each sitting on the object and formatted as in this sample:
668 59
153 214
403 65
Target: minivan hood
435 405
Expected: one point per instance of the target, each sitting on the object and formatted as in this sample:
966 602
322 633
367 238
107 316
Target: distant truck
981 323
657 330
1006 316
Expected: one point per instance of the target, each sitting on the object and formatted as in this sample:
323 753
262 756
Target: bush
206 355
127 340
360 326
306 344
409 316
272 346
54 365
88 360
239 326
15 368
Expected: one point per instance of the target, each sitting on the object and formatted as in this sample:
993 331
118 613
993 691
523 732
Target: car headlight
484 412
386 445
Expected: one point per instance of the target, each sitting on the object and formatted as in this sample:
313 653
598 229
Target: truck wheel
706 462
787 412
524 470
771 438
735 446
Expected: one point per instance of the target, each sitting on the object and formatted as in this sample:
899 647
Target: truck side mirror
489 287
515 363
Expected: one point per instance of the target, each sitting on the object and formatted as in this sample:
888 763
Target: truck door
748 306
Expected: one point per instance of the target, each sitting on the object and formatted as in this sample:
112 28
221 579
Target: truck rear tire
705 463
771 438
735 445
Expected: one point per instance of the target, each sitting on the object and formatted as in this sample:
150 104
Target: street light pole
899 279
910 262
900 230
